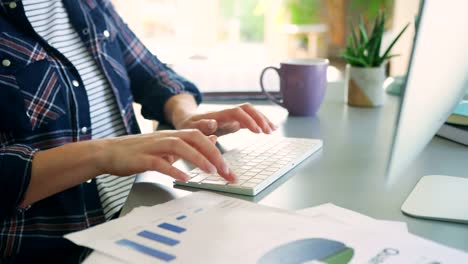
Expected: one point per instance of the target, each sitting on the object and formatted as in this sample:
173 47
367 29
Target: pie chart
309 250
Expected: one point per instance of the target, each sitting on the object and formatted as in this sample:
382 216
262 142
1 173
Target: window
222 45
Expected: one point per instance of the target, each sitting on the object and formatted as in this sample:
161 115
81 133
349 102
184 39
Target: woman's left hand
228 121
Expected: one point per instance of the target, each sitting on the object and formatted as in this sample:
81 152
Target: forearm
61 168
179 107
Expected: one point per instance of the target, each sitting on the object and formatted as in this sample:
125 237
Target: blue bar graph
181 217
158 238
146 250
171 227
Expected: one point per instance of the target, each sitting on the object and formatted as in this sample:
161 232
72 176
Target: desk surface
348 172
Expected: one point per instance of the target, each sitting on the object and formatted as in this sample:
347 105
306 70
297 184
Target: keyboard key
254 180
238 184
264 173
249 185
219 182
198 178
213 178
271 170
262 176
250 174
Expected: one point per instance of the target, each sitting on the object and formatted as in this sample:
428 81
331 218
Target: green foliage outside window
370 9
251 23
250 13
303 12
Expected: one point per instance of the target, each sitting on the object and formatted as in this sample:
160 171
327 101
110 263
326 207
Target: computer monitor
436 81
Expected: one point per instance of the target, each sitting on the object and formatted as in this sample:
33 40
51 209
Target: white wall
405 11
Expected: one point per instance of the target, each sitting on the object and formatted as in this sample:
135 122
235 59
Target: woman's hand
121 156
157 151
228 121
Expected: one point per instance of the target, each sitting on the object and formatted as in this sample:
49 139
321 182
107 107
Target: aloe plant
363 48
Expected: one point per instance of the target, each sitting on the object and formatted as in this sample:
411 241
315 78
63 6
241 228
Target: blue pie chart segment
305 250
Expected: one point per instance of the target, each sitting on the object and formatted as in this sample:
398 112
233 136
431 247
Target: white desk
349 172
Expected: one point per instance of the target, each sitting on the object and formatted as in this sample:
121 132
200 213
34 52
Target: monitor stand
439 197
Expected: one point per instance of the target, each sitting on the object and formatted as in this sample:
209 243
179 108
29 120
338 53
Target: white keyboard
257 165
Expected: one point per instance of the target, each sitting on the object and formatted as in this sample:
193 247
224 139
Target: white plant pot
364 86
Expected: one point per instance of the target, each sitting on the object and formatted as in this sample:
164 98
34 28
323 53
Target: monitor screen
436 81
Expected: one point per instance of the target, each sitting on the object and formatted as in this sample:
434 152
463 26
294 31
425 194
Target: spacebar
214 182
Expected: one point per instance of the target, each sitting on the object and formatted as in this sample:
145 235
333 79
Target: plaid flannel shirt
43 104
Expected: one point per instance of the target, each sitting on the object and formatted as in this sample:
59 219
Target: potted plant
365 69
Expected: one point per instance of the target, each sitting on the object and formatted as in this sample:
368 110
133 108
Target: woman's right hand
128 155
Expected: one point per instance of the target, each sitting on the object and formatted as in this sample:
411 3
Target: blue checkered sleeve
152 82
15 174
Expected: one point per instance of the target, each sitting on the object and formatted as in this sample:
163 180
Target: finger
213 138
259 118
272 126
166 157
235 114
206 126
170 158
208 149
245 120
228 128
159 164
179 147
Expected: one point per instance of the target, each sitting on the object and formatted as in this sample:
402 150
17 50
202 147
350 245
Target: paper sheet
352 218
209 228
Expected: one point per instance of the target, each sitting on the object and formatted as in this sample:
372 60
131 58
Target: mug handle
268 95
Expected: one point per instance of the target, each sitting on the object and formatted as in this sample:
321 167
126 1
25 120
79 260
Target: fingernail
210 168
211 124
268 130
184 177
225 169
259 130
213 138
233 178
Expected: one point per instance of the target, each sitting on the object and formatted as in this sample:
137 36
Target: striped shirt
50 20
42 108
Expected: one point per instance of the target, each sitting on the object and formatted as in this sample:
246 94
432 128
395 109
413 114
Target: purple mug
302 85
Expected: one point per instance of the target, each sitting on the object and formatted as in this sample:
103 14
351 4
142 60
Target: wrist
179 108
101 155
179 118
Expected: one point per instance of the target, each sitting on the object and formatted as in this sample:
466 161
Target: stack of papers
209 228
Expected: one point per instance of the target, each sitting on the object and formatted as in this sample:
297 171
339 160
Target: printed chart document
209 228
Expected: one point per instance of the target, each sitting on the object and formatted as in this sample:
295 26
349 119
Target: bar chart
174 228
